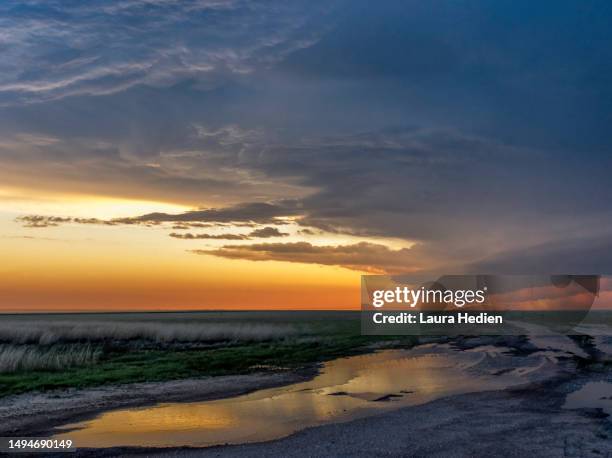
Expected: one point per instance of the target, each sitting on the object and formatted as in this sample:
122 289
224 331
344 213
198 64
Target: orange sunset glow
96 268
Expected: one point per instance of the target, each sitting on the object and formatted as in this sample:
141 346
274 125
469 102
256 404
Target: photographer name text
427 318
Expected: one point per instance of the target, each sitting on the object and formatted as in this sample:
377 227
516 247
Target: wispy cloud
254 212
57 49
412 184
39 221
264 232
190 236
247 214
267 232
42 221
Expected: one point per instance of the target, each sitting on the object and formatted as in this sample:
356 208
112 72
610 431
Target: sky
206 154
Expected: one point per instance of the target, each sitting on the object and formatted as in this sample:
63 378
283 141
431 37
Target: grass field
43 352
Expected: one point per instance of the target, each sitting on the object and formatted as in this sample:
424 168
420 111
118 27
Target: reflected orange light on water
347 388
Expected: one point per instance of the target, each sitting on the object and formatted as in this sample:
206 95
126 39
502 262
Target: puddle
346 388
593 395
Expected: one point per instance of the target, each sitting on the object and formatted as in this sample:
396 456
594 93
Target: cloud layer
478 131
368 257
263 233
56 49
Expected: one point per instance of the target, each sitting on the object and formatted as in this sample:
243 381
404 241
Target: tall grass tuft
45 333
15 358
27 345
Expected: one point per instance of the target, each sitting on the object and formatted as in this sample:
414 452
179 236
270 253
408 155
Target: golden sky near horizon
124 267
97 267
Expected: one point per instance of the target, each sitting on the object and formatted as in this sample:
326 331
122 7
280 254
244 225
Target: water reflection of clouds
347 388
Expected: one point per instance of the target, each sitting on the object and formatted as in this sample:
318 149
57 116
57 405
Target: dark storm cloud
409 182
516 71
584 255
96 166
462 197
238 105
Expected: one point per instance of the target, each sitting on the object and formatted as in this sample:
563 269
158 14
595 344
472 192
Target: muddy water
346 388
